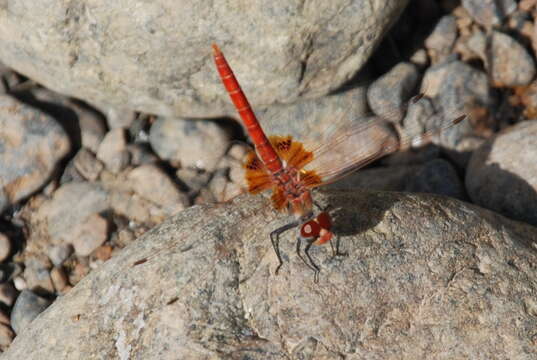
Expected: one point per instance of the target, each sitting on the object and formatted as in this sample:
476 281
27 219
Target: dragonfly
292 169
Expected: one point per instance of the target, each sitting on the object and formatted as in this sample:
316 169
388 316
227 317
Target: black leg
320 208
275 239
313 266
335 249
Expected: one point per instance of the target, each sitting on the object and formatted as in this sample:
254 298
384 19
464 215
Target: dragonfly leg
311 264
335 248
275 239
318 206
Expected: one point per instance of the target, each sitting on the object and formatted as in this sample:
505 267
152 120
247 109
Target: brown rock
150 182
103 252
59 278
113 150
87 164
71 205
89 235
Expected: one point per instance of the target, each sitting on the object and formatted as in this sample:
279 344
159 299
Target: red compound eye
310 229
324 220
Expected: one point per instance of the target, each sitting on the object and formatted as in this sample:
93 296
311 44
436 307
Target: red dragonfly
291 170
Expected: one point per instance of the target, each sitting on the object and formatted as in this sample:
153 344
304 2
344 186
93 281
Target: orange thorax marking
290 185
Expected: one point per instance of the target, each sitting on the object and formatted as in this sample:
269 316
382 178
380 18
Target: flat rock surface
425 277
155 56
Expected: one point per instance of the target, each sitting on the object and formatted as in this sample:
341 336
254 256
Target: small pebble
527 5
6 335
222 189
113 150
417 115
455 89
132 206
89 235
150 182
141 154
464 21
139 129
8 293
59 278
103 252
80 271
236 174
518 21
119 118
194 178
59 253
204 196
87 164
19 283
5 247
511 64
192 143
475 47
388 94
420 58
489 12
70 205
92 126
70 174
37 274
125 237
239 151
26 308
442 39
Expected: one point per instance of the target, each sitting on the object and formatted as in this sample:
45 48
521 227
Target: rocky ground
81 182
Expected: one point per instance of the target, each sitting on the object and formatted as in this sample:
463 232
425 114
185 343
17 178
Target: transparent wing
354 146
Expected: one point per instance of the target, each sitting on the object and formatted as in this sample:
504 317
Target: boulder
424 277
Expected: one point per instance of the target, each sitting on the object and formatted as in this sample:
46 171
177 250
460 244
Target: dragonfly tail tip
216 49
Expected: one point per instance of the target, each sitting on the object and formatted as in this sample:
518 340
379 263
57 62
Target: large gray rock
156 56
425 277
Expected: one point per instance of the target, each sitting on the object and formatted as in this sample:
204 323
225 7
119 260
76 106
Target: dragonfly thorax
297 196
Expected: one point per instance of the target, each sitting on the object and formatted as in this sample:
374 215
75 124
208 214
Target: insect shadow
356 211
505 193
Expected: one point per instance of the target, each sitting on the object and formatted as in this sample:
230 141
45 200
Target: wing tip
459 119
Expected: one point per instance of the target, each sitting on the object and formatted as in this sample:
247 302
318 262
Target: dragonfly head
318 228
